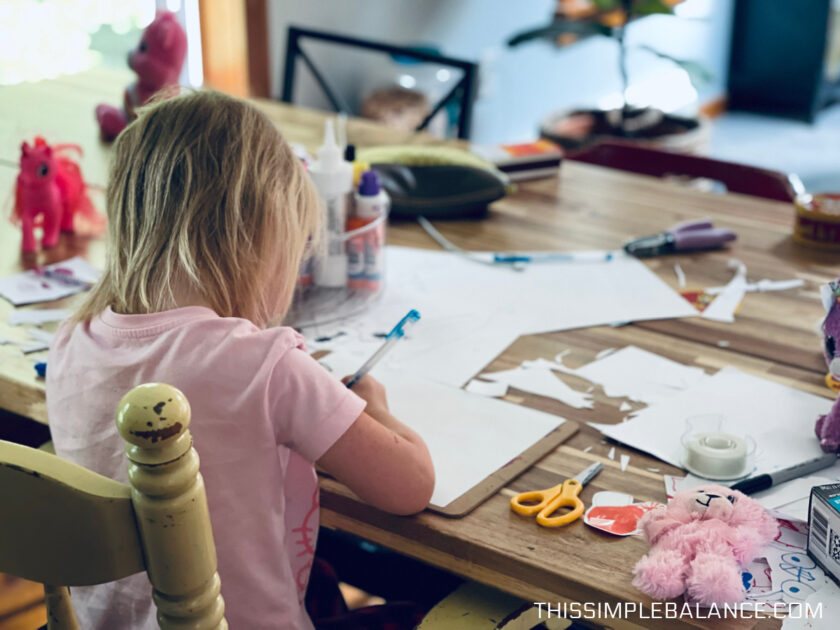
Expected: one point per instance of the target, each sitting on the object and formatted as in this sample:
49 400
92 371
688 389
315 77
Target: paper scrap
723 307
485 388
615 513
38 316
653 469
625 406
625 461
680 275
779 418
542 383
545 364
611 497
604 353
640 375
27 347
40 335
67 277
763 286
611 454
587 449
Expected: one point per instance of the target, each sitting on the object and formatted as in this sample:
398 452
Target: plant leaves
560 26
697 73
651 7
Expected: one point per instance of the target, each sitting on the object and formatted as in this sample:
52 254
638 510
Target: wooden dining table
774 336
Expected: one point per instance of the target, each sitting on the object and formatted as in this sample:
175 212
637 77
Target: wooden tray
499 479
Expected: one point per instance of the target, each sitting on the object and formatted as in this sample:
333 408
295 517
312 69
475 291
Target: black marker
763 482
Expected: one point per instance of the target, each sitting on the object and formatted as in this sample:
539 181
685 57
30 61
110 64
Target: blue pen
553 257
391 339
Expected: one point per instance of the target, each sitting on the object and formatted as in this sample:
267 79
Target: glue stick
366 250
333 178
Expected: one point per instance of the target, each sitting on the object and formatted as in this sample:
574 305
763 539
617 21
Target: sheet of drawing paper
469 436
543 383
640 375
825 606
471 312
38 316
779 418
30 287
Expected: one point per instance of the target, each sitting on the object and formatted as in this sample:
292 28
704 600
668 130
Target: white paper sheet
30 287
38 316
469 436
640 375
543 383
27 347
779 418
825 607
471 313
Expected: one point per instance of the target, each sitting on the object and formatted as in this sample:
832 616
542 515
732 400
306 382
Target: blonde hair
204 195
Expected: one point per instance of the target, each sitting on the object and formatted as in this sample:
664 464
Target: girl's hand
373 392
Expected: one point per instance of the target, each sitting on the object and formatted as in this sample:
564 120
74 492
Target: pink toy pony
49 192
828 426
157 60
701 541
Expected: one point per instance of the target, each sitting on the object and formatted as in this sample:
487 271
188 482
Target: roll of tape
817 221
716 455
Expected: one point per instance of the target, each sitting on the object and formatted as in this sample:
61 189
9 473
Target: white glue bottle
366 250
333 178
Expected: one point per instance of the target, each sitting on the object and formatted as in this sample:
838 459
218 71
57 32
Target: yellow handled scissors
544 503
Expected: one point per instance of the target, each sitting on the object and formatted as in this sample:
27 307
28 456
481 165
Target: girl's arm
380 459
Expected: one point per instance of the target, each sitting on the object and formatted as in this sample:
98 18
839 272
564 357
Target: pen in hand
397 333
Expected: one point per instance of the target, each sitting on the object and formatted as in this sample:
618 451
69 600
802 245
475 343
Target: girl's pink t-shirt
262 412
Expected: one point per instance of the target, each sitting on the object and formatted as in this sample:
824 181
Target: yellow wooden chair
473 606
63 525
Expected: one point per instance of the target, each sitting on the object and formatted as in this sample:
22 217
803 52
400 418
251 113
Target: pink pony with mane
51 194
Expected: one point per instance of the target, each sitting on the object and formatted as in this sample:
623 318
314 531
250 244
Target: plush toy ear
167 31
828 296
25 148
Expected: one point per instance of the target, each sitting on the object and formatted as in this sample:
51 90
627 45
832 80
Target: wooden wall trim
259 73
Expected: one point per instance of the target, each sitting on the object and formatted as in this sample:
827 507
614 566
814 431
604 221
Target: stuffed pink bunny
701 541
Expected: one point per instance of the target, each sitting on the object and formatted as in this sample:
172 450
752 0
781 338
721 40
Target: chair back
64 525
461 94
738 178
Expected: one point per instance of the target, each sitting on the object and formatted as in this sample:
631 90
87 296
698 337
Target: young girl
209 214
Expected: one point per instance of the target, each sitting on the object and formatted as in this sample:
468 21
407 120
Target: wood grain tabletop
585 207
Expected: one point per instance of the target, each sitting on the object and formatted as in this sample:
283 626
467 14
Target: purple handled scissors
687 236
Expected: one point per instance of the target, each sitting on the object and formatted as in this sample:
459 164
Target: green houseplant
575 20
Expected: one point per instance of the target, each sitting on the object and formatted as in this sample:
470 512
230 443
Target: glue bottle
333 178
366 250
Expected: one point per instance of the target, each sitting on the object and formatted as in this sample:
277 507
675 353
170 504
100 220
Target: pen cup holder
716 449
364 250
